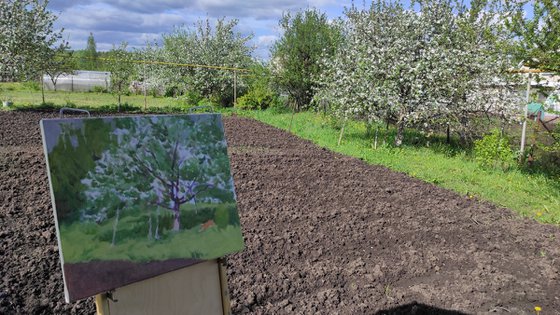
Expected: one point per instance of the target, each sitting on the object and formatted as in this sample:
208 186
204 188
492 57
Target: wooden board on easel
199 289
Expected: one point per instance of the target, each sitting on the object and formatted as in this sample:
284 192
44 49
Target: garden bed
324 233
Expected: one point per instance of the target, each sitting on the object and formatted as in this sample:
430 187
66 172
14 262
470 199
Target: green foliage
308 36
90 54
121 70
260 94
545 153
493 151
538 43
57 62
191 98
88 58
208 102
214 44
99 89
32 85
257 99
26 33
135 223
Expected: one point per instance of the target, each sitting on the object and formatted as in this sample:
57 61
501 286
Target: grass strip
530 195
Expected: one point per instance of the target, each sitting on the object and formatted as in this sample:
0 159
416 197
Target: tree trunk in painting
115 224
176 215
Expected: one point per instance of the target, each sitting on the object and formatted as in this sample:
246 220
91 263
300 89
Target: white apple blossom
439 65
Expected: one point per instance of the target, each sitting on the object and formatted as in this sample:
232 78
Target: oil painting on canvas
136 197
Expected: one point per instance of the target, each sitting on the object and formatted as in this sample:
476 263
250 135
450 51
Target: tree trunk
176 216
119 105
341 132
43 89
115 224
292 119
375 141
400 133
156 235
150 228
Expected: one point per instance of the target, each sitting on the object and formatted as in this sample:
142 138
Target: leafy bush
99 89
258 98
546 153
191 98
280 106
260 94
32 85
208 102
494 151
172 91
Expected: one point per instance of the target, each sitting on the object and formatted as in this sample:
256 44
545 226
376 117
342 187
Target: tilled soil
324 234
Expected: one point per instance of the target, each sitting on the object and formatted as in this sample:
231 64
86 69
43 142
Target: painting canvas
138 196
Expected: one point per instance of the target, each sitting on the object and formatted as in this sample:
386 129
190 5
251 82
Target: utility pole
144 87
234 87
524 128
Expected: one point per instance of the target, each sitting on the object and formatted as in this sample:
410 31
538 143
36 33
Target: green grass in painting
88 241
531 195
81 245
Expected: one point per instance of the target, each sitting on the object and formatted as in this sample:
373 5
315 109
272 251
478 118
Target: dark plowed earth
324 234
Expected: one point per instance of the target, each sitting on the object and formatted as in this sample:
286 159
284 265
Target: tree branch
149 170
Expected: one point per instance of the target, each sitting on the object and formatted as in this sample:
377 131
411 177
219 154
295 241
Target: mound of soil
324 233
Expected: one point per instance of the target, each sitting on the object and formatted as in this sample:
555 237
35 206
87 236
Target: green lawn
530 195
24 96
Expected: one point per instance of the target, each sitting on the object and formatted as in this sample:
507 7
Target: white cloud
267 40
138 21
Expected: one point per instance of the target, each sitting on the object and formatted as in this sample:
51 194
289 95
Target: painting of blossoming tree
135 197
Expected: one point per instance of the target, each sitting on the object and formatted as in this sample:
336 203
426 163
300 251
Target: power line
190 65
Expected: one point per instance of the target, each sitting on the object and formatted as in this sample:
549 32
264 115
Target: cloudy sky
136 21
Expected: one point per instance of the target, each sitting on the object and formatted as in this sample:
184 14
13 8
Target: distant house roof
545 79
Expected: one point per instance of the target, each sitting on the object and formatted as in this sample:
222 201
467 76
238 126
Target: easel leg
101 304
223 286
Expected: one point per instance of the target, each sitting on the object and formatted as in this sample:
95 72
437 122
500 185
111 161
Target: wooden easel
197 289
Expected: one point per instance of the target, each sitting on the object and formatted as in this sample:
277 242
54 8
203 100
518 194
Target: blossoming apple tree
441 64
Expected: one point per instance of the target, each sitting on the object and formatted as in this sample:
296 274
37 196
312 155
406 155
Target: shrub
208 102
260 94
32 85
280 106
493 151
172 91
258 98
546 153
191 98
99 89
